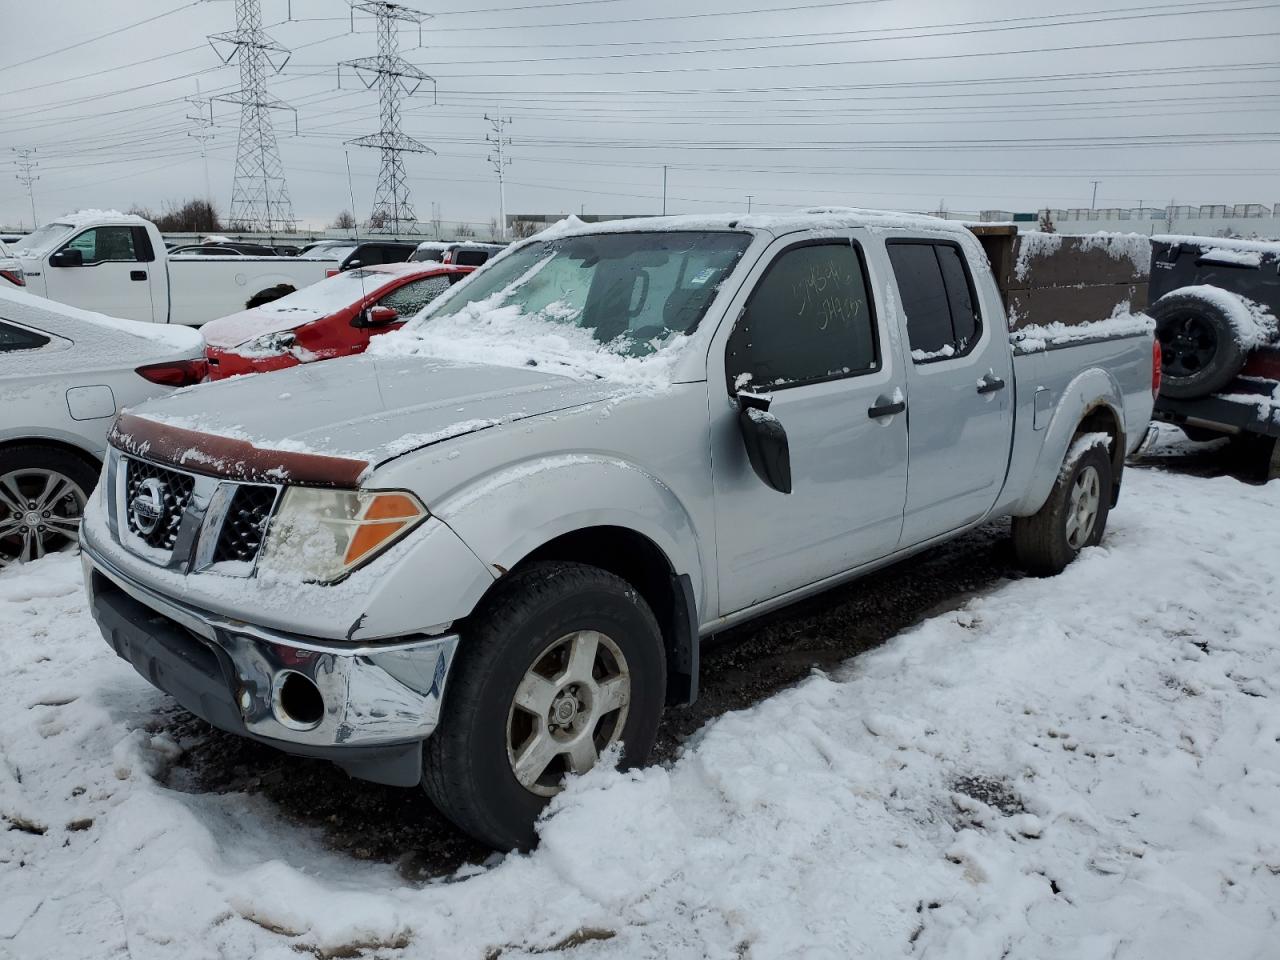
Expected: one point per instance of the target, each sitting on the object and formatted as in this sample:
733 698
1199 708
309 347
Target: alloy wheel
1082 513
40 512
570 705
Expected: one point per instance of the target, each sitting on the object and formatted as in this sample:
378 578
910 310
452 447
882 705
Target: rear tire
1200 344
269 294
1074 516
518 697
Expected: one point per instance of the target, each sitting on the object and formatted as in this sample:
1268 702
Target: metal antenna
395 78
202 116
26 176
259 194
500 163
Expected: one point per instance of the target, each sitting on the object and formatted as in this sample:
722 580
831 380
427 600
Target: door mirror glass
67 257
766 441
352 264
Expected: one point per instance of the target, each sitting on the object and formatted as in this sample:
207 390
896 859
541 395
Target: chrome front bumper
377 702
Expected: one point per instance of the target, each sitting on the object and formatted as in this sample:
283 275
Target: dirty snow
1077 767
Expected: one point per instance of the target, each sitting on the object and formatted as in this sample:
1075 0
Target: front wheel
1074 516
563 662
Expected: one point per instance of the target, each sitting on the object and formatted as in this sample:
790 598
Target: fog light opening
297 702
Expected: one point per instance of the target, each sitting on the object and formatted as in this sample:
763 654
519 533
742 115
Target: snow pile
1253 322
1121 323
1239 258
1083 766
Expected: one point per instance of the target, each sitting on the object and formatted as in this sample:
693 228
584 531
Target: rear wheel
43 491
1074 516
562 663
1200 344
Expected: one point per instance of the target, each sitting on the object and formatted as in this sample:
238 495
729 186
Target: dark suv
353 253
1215 303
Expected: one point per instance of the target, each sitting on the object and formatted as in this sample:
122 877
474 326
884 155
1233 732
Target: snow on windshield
616 306
42 240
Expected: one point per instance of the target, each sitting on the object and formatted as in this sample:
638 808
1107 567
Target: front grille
245 524
155 498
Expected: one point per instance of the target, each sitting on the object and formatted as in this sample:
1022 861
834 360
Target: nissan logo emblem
147 506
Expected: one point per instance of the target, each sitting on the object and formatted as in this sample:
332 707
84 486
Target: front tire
563 661
1074 516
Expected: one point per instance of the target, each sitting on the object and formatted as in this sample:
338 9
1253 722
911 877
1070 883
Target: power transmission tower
500 163
27 176
395 78
202 116
259 195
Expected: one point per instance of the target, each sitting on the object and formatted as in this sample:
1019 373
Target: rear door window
13 339
809 319
938 299
470 258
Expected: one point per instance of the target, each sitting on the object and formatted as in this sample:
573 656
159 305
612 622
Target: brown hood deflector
228 457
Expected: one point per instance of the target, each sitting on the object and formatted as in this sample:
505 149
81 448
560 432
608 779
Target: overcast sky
906 104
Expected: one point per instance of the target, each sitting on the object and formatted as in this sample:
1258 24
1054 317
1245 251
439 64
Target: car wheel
43 491
1201 345
1074 516
564 661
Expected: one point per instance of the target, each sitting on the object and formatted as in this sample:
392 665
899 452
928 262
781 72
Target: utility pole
1093 205
203 132
27 176
259 194
748 203
396 78
499 139
664 189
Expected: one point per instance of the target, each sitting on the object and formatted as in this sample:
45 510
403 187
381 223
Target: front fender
504 516
1086 392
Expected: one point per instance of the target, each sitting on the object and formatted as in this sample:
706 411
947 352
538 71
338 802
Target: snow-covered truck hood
330 423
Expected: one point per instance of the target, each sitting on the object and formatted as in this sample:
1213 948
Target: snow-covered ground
1081 767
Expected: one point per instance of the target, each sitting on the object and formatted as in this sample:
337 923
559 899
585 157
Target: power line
102 36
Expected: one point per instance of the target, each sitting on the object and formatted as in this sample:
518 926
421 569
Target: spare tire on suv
1202 343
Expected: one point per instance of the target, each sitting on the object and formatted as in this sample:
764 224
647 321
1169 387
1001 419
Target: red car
333 318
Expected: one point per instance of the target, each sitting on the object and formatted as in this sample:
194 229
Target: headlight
270 343
322 535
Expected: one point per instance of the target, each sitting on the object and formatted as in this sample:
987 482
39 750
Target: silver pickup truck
482 554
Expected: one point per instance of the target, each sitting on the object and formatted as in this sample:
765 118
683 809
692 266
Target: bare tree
464 230
193 216
524 228
1046 221
344 221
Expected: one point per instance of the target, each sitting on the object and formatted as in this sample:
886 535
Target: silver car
64 375
485 551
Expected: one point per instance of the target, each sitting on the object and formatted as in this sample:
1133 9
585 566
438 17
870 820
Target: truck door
959 389
807 334
104 269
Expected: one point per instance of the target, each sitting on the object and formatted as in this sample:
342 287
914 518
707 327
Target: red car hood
237 328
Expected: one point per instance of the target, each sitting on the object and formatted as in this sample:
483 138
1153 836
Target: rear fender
1089 391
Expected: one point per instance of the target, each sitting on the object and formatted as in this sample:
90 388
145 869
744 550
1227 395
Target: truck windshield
42 240
630 293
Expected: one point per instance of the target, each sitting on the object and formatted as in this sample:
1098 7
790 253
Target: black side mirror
67 257
352 264
765 440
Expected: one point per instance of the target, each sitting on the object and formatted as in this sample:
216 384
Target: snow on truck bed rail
1082 766
1034 337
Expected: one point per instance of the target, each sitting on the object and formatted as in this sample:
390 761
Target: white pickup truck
116 263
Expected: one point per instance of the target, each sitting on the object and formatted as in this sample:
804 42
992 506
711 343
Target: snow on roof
811 218
83 217
172 336
1222 243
